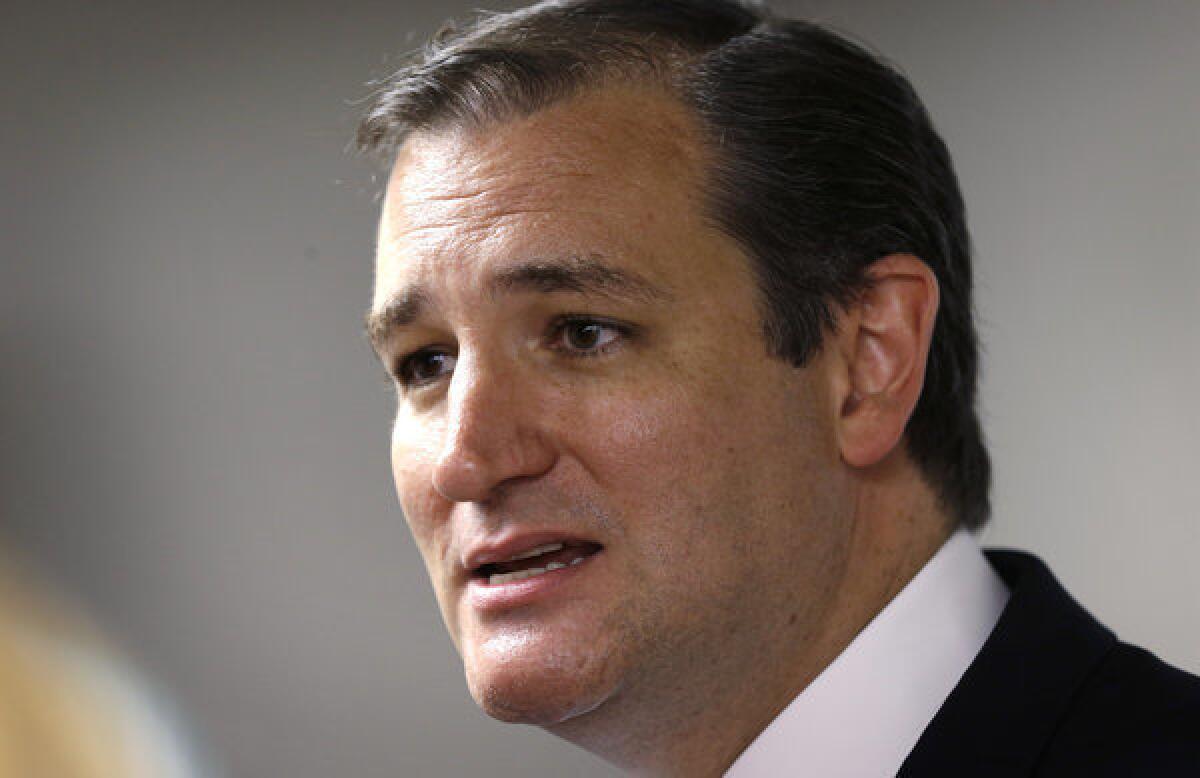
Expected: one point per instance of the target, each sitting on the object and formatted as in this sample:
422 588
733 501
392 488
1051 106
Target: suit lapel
1002 713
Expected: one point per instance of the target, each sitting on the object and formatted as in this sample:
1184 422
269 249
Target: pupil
584 336
429 366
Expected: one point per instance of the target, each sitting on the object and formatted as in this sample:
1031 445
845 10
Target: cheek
654 455
623 434
701 470
414 451
664 434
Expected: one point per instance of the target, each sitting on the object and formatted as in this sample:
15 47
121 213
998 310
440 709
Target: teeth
520 575
534 552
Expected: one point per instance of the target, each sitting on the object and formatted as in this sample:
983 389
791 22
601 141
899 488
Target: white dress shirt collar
865 712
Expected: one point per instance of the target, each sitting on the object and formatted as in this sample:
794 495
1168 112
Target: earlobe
885 345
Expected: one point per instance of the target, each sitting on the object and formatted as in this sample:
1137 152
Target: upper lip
505 547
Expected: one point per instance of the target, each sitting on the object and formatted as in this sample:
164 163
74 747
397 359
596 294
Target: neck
695 721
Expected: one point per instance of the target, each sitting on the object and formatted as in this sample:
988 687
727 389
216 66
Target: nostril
493 433
476 470
459 477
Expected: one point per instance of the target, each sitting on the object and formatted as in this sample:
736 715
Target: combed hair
824 160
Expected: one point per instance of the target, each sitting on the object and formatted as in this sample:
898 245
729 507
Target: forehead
615 173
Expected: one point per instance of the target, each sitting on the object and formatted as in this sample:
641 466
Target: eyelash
559 327
404 365
555 332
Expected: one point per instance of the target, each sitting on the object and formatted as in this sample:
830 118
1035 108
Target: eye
424 367
581 336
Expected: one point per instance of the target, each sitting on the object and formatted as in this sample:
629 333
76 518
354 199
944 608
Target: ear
883 342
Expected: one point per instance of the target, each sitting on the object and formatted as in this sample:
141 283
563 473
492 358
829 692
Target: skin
753 515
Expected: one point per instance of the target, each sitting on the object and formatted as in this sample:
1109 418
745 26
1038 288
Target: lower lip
484 596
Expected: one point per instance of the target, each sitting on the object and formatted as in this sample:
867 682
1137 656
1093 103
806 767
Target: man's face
581 370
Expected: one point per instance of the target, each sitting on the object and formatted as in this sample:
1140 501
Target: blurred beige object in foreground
69 706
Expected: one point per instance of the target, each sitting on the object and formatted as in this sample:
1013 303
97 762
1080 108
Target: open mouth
537 561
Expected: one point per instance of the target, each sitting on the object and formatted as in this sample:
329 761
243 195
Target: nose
493 432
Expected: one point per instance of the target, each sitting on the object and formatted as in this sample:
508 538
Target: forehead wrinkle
506 184
446 221
453 187
577 273
462 172
474 167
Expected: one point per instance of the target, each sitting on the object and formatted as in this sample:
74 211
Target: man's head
658 284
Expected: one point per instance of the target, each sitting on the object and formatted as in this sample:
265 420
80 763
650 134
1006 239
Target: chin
521 680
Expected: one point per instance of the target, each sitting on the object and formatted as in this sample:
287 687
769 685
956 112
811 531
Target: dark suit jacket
1054 693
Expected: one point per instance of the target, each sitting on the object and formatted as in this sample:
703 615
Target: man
677 300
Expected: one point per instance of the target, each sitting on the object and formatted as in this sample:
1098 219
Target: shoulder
1053 693
1134 712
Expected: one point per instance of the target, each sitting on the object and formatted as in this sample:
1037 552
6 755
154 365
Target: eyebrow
579 274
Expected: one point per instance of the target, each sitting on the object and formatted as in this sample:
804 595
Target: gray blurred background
193 433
